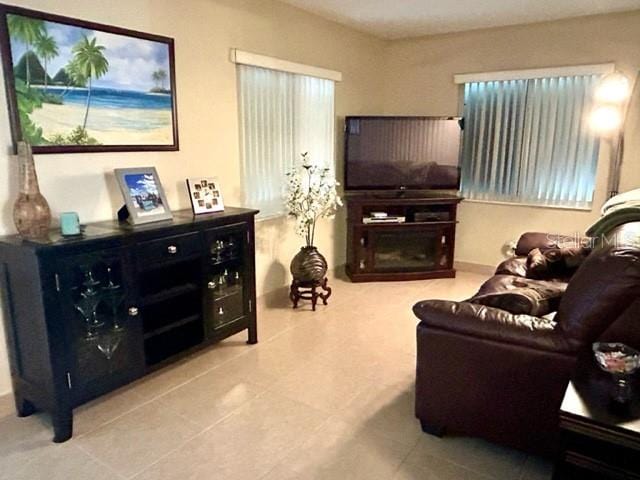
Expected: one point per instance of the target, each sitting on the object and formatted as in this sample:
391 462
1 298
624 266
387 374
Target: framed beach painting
77 86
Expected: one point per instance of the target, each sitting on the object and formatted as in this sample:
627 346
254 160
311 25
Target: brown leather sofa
486 372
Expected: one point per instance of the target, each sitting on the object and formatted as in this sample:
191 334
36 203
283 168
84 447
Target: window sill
530 205
271 216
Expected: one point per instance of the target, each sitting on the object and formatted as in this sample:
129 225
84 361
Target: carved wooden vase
308 265
31 213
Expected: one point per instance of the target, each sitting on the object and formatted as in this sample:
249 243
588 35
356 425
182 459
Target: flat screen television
402 153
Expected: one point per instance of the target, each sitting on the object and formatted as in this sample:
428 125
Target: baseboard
279 296
7 406
478 268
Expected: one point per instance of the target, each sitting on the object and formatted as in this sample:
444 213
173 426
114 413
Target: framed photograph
77 86
205 195
143 195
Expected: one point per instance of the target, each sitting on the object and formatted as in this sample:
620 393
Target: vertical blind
282 115
528 141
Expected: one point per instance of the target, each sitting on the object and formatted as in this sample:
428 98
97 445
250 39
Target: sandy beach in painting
108 125
121 82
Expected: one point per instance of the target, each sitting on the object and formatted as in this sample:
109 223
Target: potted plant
311 194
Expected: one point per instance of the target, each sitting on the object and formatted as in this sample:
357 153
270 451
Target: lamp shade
606 119
613 88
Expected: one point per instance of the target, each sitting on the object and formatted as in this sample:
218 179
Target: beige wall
407 77
204 31
420 81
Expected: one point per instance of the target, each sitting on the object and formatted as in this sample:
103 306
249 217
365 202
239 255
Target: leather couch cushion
502 283
555 262
513 266
490 323
530 240
535 300
602 288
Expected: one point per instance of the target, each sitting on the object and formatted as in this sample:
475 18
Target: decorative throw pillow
536 301
555 262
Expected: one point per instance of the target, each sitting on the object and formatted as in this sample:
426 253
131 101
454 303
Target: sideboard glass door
227 289
101 321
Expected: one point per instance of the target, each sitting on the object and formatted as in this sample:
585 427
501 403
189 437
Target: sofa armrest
492 324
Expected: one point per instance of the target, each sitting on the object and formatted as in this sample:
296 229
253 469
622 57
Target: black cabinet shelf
227 292
172 326
228 323
169 293
407 224
226 261
89 314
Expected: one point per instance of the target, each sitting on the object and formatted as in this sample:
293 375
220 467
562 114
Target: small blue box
70 223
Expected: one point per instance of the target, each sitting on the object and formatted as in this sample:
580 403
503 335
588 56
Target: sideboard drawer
168 249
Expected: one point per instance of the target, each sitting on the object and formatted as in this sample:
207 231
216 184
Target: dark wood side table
597 443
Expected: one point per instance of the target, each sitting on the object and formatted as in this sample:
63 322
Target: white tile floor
324 395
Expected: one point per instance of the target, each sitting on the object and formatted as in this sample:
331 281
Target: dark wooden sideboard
86 315
419 248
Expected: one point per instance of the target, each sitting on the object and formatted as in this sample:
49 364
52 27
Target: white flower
310 194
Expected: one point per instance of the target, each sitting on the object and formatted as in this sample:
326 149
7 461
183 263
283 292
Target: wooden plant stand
307 291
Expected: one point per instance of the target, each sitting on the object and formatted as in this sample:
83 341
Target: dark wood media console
419 248
86 315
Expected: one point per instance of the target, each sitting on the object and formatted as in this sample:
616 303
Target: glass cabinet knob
211 285
220 311
172 249
362 265
133 311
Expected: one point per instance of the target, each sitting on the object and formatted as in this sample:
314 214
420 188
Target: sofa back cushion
603 287
530 240
536 301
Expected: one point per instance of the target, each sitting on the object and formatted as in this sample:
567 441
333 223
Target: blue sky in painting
141 184
131 60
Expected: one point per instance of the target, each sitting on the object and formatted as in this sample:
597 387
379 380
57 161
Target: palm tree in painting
91 63
159 76
162 76
47 49
156 78
75 77
27 30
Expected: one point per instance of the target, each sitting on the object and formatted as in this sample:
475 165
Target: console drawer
168 249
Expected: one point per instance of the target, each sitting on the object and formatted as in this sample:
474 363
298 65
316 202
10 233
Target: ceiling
395 19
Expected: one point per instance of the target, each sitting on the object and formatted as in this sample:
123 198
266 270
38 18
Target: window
528 141
282 115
